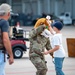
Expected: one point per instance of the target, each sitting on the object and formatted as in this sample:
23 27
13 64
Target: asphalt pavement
24 66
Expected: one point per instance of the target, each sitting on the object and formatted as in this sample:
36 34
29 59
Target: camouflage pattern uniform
38 43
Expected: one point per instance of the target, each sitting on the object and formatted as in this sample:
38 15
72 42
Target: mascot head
45 21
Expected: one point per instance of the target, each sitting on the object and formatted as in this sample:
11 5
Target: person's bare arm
52 50
7 46
50 28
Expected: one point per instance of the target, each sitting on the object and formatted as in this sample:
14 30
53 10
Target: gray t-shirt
4 25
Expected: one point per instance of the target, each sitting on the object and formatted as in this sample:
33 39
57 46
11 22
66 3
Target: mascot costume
39 41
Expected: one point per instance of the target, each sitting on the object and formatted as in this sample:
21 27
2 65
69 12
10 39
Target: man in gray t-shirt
4 38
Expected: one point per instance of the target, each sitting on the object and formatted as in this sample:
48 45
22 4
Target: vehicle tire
17 52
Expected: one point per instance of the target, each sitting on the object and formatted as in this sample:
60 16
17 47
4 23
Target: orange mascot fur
43 21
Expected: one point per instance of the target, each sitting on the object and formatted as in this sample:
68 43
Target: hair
4 9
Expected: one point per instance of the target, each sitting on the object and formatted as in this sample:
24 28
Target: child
57 48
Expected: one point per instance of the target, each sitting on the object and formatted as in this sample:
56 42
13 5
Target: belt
2 48
2 51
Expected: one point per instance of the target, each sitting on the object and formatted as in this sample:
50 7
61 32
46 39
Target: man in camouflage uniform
38 43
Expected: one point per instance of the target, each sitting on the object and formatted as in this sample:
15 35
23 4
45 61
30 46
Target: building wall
68 6
17 6
39 6
73 9
29 6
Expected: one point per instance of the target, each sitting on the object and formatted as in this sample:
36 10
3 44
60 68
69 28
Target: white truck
66 18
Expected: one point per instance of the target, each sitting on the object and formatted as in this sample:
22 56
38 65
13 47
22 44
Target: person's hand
45 53
11 60
46 33
48 21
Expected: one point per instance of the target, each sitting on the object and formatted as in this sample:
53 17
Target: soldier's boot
37 73
41 72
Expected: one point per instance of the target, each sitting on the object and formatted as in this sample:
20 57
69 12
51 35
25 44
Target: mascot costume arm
34 32
46 21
